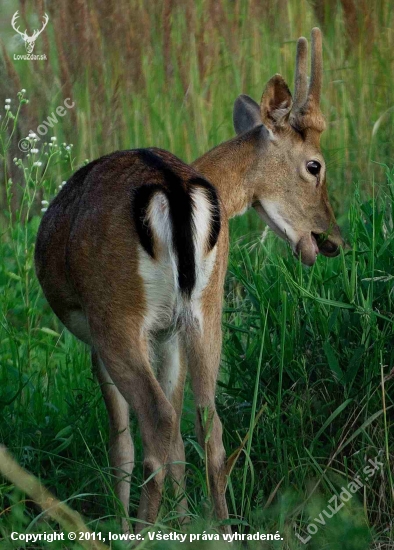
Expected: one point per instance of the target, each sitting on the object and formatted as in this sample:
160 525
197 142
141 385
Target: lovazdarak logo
29 40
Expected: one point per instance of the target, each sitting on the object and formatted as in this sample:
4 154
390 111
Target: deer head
286 178
29 40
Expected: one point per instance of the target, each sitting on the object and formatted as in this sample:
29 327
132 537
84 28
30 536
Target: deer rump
177 219
180 215
143 207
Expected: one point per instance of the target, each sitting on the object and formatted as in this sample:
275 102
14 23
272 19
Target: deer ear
276 103
246 114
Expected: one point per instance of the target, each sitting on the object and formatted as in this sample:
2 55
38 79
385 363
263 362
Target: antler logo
29 40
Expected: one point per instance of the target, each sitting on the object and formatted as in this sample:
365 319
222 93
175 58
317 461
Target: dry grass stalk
68 519
45 39
167 13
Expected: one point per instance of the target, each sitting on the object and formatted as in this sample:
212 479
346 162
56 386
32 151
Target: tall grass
306 386
167 74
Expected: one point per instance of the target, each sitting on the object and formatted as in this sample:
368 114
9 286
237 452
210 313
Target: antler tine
13 22
317 66
301 79
307 113
37 32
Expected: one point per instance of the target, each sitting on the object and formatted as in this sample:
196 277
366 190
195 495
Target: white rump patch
165 303
205 261
158 214
202 216
160 275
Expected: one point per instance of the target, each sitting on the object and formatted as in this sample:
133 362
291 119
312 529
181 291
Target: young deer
132 256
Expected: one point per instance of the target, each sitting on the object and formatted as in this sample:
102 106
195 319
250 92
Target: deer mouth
306 245
328 247
307 248
311 244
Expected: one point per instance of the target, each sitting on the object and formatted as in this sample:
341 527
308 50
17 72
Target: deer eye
313 167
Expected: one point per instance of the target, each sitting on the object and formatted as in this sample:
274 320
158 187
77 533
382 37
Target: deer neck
226 167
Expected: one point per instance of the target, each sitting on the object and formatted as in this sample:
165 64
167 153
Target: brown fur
88 257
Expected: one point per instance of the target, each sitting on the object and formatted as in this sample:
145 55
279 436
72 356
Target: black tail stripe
178 193
183 230
141 199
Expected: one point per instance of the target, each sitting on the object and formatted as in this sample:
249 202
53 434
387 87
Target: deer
132 256
29 40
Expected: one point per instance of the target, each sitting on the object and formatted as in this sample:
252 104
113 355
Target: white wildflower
34 151
7 107
53 138
8 101
38 163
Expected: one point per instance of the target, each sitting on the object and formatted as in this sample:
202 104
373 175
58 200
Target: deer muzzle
312 244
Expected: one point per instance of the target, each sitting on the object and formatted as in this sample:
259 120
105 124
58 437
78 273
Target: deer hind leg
203 354
171 375
128 366
121 448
